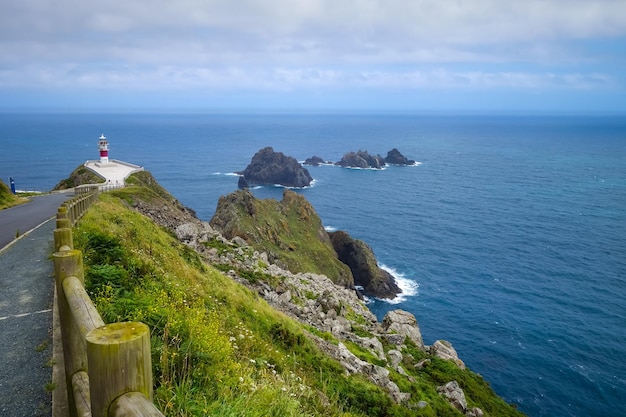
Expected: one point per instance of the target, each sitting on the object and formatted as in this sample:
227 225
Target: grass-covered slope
218 349
7 198
79 176
290 231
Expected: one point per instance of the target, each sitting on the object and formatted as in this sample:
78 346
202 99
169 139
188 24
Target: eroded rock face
404 325
360 258
270 168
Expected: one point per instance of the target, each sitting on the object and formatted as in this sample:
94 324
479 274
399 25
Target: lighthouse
103 145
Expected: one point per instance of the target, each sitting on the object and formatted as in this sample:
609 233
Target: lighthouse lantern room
103 145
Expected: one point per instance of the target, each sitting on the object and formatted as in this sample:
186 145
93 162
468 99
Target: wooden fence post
63 239
119 362
66 264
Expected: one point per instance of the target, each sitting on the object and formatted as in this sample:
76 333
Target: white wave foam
233 174
408 286
383 168
330 228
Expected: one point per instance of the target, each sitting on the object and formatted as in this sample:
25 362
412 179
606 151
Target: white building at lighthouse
113 171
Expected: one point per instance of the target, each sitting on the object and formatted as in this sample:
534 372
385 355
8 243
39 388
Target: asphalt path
25 217
26 300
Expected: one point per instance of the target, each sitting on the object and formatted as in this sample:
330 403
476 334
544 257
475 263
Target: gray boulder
444 350
454 394
405 325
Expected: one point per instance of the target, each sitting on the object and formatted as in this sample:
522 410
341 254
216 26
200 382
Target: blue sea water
509 236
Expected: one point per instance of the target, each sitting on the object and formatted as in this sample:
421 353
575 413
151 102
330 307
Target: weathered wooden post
119 362
63 232
63 239
66 264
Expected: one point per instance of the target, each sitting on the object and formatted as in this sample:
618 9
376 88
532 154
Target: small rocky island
268 167
363 159
274 168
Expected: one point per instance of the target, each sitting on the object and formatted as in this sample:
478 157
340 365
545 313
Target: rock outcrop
456 397
444 350
454 394
361 159
362 262
399 325
315 161
394 157
344 327
274 168
289 231
81 175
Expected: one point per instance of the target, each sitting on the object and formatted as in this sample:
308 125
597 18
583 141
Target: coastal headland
236 329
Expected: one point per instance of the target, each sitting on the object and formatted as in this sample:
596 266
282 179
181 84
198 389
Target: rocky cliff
362 262
269 168
292 234
289 231
421 380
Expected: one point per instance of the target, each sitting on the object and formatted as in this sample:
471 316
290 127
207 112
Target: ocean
508 237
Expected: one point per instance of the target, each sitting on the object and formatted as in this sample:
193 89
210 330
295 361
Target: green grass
7 198
290 230
218 349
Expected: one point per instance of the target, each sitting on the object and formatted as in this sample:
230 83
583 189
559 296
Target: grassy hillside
218 349
290 231
79 176
7 198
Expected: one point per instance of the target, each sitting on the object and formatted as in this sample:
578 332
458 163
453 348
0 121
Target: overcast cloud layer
388 53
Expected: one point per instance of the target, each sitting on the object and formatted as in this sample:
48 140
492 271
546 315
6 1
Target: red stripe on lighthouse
104 153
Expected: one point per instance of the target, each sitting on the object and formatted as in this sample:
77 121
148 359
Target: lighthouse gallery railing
108 367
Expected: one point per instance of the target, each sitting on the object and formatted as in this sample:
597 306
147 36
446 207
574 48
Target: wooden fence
108 367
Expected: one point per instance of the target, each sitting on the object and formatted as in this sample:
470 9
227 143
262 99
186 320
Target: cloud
290 45
277 29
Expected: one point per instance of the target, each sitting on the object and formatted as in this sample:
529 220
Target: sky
324 55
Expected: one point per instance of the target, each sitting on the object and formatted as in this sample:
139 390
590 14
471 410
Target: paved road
26 299
25 217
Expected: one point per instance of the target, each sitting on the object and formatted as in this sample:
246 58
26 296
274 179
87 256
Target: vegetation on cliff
81 175
220 349
289 231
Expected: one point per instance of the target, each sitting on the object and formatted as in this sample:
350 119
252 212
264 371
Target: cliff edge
233 333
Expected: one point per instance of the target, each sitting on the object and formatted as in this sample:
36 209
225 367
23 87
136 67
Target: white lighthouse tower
103 145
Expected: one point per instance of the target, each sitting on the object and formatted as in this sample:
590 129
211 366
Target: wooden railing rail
108 367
